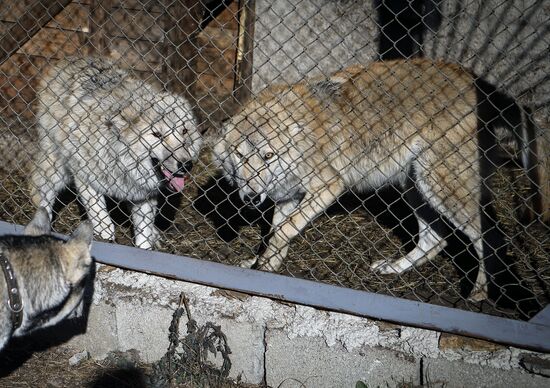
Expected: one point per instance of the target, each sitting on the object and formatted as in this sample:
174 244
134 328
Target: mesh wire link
334 172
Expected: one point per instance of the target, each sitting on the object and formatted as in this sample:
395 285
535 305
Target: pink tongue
175 182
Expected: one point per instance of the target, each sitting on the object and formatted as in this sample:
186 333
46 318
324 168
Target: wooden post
245 48
36 17
98 42
182 21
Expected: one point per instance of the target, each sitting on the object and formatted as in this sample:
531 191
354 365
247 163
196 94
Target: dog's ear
101 75
328 88
40 224
83 234
76 258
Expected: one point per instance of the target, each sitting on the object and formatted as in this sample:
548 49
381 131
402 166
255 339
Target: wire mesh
365 132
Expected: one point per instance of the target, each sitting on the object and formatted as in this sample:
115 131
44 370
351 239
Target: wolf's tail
497 111
533 149
535 158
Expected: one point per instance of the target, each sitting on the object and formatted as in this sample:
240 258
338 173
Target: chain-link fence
395 143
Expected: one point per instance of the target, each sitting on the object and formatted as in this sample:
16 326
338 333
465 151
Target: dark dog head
51 273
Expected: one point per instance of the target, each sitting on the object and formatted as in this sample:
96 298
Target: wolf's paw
268 266
149 239
148 243
160 245
247 263
104 229
383 267
106 235
478 295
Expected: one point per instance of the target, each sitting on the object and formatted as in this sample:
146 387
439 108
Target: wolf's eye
268 155
157 134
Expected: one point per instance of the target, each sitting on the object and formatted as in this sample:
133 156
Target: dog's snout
184 168
252 199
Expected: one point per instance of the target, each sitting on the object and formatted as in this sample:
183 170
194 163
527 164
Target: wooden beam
182 23
35 17
242 87
98 41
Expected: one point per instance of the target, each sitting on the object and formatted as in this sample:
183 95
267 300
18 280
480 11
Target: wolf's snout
184 168
252 199
177 179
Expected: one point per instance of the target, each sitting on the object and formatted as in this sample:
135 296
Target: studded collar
14 295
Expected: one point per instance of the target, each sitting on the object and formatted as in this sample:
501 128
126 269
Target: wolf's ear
40 224
101 76
224 126
83 234
328 88
76 257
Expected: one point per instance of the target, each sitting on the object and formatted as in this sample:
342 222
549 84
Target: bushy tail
531 145
535 159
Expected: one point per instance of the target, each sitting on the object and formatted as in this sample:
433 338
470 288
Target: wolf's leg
430 243
96 208
146 234
457 197
282 211
48 178
431 233
314 202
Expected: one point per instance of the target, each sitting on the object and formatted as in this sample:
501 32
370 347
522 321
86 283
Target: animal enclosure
220 54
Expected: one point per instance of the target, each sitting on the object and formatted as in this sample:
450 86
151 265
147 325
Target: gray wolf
111 134
427 126
50 276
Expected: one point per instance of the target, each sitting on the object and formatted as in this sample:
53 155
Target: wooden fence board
73 17
125 23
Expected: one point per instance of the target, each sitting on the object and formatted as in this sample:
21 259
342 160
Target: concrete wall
283 344
505 41
311 37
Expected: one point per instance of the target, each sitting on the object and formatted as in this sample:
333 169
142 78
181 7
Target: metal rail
533 335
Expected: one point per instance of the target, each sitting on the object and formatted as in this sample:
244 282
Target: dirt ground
51 369
41 360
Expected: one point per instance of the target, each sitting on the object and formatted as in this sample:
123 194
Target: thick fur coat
426 126
111 134
51 275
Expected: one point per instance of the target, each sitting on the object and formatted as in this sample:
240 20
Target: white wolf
111 134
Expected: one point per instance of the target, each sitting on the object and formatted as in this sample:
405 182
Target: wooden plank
98 42
55 43
212 52
218 38
215 66
36 17
17 96
73 17
144 5
214 85
138 55
19 77
133 24
228 18
14 9
242 89
21 65
183 17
